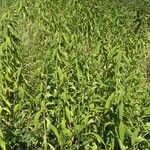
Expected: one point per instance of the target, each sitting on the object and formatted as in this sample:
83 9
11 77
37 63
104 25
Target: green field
74 75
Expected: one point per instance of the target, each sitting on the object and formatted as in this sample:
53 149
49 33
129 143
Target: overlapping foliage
74 75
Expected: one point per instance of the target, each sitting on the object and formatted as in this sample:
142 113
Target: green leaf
121 145
79 73
68 114
6 109
122 131
96 136
16 108
63 123
64 129
64 96
36 118
92 106
8 41
51 147
1 133
147 126
66 37
6 101
47 95
1 49
7 77
55 131
60 74
64 54
109 101
134 136
1 109
121 111
17 80
67 29
94 146
2 144
58 56
45 142
141 139
21 92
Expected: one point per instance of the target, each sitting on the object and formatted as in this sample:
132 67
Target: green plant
72 75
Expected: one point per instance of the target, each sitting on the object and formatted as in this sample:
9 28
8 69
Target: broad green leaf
141 139
7 77
78 71
60 74
51 147
18 73
54 53
64 96
109 123
1 49
41 87
58 56
7 110
21 92
147 126
1 109
96 136
94 146
91 106
2 144
64 129
109 101
36 118
67 29
16 107
121 145
43 105
45 142
47 95
64 54
91 121
6 101
122 131
134 136
48 124
121 111
8 41
63 123
55 131
8 70
66 37
97 48
1 133
68 114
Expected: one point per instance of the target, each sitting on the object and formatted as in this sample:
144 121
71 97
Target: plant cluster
74 75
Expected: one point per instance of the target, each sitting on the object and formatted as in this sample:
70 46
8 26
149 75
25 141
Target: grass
74 75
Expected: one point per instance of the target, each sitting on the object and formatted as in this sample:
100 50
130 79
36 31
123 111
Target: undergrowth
74 75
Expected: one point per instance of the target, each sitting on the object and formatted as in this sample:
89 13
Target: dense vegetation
74 75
